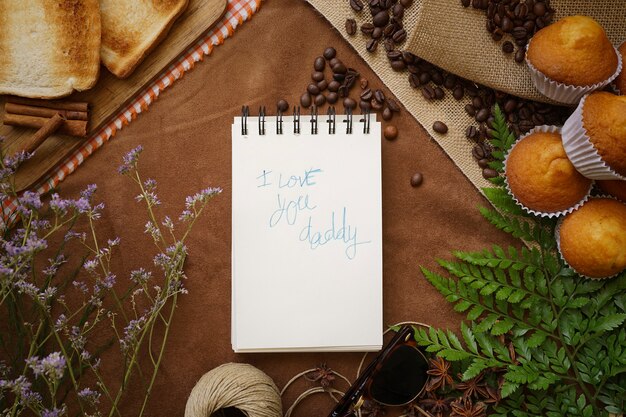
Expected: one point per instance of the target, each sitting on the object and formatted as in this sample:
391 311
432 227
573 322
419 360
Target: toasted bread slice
131 29
48 48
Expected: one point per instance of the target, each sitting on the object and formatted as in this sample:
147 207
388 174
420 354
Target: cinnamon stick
52 125
27 110
50 104
69 127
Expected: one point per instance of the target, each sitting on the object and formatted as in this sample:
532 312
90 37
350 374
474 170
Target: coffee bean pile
343 79
386 25
518 18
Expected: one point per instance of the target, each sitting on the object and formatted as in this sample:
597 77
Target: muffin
592 239
620 81
540 176
615 188
570 58
594 136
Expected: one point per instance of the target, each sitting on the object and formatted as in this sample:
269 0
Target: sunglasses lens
401 378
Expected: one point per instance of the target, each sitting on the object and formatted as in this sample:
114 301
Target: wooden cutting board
111 94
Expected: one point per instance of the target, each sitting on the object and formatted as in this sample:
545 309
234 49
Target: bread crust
574 51
128 37
48 49
593 238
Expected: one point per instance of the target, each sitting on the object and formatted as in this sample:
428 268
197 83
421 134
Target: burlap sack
455 38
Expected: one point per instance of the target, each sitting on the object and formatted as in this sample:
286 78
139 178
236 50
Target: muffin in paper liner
581 151
564 93
557 237
613 84
550 129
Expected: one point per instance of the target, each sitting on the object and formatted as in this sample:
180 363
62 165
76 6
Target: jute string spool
236 385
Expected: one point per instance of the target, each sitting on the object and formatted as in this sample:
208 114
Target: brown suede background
186 140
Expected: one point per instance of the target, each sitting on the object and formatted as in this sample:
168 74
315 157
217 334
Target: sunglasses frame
355 396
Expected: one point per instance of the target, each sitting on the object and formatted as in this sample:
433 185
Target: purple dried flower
109 281
90 396
140 276
52 366
130 160
55 412
131 333
21 388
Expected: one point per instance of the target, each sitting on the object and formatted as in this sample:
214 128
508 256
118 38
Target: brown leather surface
186 140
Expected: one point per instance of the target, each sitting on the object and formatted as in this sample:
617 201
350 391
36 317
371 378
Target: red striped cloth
237 12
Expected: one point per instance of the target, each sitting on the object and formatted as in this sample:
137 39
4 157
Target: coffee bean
398 11
406 3
539 9
483 163
497 34
398 65
367 28
350 26
365 105
329 53
393 106
317 76
357 5
414 81
376 105
408 57
510 105
339 68
482 115
381 18
305 100
339 77
449 81
489 173
470 110
520 33
388 31
366 94
478 152
322 85
530 26
424 78
507 24
371 45
313 89
388 43
439 94
394 55
417 179
440 127
333 62
319 64
320 100
520 55
342 91
399 36
458 93
334 86
387 114
282 105
332 97
466 3
507 47
471 132
428 92
390 132
379 96
363 83
477 102
348 103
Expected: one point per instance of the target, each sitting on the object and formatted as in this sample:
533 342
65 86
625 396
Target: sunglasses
395 377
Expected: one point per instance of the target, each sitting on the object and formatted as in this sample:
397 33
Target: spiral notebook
306 233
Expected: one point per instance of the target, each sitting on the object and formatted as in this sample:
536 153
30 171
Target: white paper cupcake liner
581 151
549 214
557 237
564 93
613 85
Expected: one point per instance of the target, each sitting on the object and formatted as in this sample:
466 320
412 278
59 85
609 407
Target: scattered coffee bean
363 82
398 65
390 132
333 61
470 110
322 85
406 3
387 114
366 94
458 93
332 97
348 103
417 179
379 96
377 33
357 5
428 92
372 44
393 106
282 105
399 36
365 105
439 94
334 86
381 18
339 68
482 115
320 100
305 100
507 47
471 132
350 26
376 105
489 173
317 76
319 64
520 55
329 53
313 89
367 28
440 127
483 163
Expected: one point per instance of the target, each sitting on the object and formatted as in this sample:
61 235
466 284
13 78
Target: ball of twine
237 385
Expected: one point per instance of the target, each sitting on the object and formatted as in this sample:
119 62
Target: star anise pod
474 387
437 406
494 396
439 374
464 407
322 374
372 409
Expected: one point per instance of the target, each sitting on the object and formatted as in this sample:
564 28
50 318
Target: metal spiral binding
296 120
314 120
279 121
245 112
262 120
348 121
